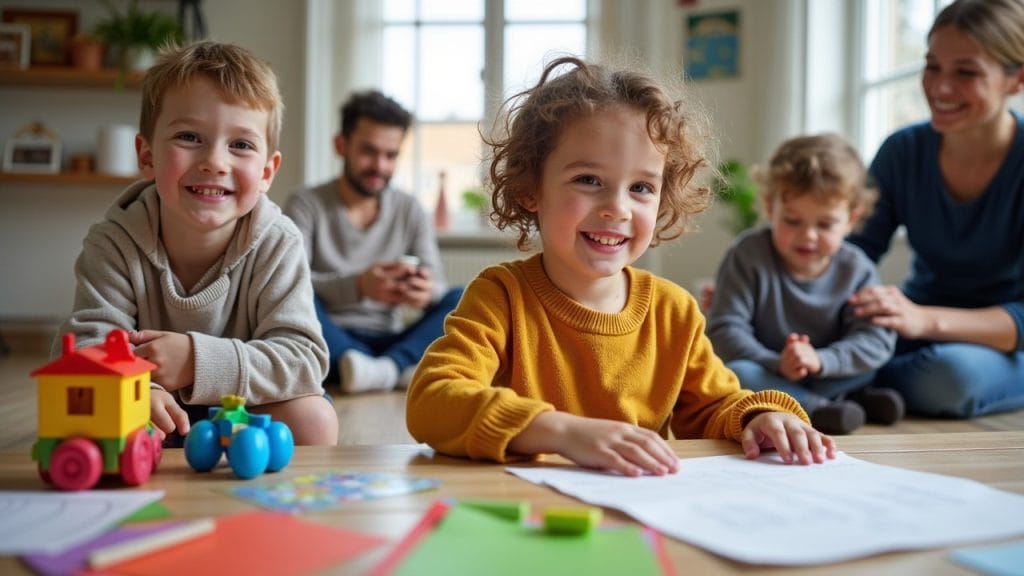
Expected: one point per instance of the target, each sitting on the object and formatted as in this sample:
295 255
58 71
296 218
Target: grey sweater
339 252
251 319
757 305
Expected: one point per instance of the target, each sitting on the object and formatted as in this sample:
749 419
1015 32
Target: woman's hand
794 439
889 308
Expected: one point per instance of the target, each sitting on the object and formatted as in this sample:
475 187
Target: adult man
372 251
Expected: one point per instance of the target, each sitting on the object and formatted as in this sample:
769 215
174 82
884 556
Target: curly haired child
573 351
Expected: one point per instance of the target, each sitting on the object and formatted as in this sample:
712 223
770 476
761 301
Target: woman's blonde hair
995 25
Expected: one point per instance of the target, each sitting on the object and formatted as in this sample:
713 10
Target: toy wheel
76 464
45 475
202 446
158 448
137 458
249 452
282 445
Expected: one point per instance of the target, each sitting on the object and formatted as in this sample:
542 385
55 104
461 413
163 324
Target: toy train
94 415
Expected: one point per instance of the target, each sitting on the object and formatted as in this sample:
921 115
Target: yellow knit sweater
517 346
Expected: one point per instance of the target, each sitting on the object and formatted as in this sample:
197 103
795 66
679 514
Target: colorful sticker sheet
320 491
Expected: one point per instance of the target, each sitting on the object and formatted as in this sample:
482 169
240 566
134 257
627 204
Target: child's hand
794 439
165 413
171 352
798 359
595 443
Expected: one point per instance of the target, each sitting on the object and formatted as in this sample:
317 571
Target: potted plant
87 52
135 34
476 201
737 190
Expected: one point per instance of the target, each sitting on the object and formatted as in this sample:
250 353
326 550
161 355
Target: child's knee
316 422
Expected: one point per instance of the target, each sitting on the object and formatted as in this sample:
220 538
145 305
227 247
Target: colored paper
74 560
468 540
1004 560
253 543
328 490
54 521
151 511
766 512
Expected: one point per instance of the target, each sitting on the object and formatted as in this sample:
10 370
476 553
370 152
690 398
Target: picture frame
713 45
15 40
34 148
52 31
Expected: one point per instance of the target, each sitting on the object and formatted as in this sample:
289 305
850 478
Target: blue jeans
811 393
955 380
405 348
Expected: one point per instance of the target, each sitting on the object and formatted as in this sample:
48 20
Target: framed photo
34 148
713 45
52 31
14 45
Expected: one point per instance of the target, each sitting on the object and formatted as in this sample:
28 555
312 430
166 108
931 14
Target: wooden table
994 458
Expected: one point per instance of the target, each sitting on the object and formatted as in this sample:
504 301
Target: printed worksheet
49 522
766 512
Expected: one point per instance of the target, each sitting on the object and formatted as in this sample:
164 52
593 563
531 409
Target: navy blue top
966 254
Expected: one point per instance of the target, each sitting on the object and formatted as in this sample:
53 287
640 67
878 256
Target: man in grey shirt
372 251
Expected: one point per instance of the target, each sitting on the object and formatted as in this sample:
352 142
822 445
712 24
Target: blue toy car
252 442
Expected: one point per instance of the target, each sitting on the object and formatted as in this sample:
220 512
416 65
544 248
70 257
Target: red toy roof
114 356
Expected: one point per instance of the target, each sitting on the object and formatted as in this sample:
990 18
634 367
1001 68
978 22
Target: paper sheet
765 512
49 522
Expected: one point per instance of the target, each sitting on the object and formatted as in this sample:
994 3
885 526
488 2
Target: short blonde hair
242 78
534 119
824 165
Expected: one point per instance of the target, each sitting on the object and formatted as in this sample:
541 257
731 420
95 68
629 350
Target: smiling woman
960 313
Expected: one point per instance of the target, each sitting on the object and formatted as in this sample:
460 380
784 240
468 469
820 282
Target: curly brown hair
533 120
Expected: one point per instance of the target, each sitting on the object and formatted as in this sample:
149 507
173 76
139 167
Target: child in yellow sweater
572 351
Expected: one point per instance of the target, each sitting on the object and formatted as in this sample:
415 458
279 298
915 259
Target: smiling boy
197 264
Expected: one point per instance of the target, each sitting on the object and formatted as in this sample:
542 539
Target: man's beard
360 189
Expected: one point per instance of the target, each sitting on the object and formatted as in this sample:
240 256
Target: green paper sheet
471 541
151 511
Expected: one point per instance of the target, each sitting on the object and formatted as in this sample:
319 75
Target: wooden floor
371 418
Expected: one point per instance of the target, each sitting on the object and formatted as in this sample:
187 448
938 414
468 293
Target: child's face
210 159
807 231
598 199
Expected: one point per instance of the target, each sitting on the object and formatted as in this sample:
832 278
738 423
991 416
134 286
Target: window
452 62
894 42
80 401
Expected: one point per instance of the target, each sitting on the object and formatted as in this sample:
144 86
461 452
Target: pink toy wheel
137 458
76 464
158 449
45 475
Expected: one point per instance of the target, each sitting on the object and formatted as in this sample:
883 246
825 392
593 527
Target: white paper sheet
50 522
765 512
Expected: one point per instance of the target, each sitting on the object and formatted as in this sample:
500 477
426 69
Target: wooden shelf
68 77
83 179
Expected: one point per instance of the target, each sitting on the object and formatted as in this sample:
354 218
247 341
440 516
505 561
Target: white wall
41 226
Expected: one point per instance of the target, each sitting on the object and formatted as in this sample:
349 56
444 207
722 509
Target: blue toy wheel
282 445
202 446
249 452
